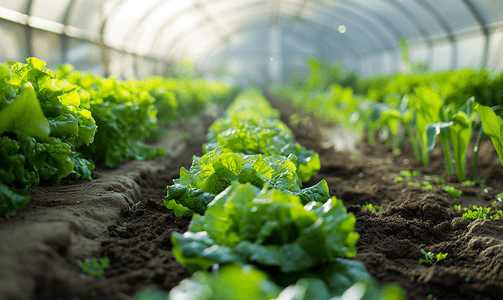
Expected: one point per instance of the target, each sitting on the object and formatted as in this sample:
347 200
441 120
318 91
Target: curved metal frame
330 48
477 14
29 29
447 28
307 37
350 7
65 40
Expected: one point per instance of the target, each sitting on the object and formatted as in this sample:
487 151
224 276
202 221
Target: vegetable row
415 107
255 233
56 124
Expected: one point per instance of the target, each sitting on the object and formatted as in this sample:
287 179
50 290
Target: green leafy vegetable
41 117
216 170
266 227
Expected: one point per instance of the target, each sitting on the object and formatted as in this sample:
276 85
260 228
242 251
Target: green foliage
492 125
251 126
41 117
439 181
429 257
216 170
266 227
125 115
95 267
478 212
475 182
233 282
452 191
374 209
399 179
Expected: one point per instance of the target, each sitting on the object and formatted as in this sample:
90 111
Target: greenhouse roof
253 38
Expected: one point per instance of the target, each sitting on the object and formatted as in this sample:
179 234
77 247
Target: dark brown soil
120 215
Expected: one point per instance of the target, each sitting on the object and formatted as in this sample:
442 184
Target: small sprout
467 279
439 181
457 207
488 189
500 197
452 191
475 182
399 179
352 157
478 212
415 184
428 257
441 256
94 266
430 297
427 187
416 173
406 173
374 209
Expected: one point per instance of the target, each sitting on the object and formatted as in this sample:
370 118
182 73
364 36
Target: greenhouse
260 149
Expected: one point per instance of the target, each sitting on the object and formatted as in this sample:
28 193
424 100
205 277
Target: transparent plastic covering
260 40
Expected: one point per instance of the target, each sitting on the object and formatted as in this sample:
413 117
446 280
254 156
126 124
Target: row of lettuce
56 124
255 233
416 107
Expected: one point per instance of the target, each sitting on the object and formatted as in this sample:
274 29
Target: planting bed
120 215
413 219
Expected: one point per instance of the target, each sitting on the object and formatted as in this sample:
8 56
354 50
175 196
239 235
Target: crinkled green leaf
12 199
24 116
216 170
268 228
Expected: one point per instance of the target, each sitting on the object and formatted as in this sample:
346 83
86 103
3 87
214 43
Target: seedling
479 212
406 173
500 197
374 209
429 257
94 266
399 179
452 191
439 181
415 184
475 182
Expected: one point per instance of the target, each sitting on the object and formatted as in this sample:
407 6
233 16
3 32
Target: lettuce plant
235 282
252 126
125 115
216 170
41 118
244 224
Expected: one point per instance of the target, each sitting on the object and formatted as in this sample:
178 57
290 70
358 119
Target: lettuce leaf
212 173
251 127
266 227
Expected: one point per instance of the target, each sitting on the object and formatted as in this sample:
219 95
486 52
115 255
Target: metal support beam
65 39
447 28
28 30
419 26
483 26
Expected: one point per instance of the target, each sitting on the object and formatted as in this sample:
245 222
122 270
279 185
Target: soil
120 215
